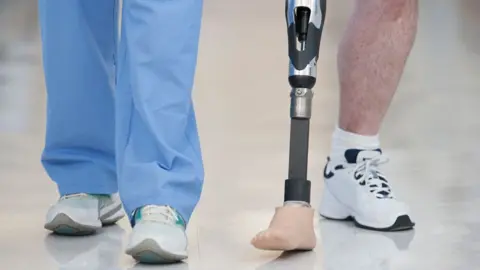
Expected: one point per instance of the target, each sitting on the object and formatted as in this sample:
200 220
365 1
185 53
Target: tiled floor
431 135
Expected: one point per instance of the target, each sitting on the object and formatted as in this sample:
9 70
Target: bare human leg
371 59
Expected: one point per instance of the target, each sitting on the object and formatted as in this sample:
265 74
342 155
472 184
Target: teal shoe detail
169 214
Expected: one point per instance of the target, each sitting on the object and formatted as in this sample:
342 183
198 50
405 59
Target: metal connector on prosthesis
301 103
304 24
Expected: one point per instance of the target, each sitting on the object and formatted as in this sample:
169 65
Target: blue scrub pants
120 115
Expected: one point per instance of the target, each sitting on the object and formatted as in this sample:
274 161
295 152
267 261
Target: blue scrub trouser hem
71 182
89 189
81 177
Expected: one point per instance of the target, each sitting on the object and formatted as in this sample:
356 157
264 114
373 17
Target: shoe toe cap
384 215
168 237
77 210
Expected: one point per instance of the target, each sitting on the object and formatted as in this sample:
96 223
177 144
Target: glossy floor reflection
431 136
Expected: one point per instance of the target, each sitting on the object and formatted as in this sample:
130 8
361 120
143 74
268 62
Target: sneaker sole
403 223
149 252
62 224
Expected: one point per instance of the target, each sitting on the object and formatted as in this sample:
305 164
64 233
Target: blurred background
431 135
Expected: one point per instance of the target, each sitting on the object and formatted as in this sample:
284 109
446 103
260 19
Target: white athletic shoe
356 189
158 236
83 214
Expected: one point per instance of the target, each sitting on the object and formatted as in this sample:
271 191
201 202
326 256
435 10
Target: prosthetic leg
292 225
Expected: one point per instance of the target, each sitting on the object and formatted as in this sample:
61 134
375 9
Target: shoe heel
331 208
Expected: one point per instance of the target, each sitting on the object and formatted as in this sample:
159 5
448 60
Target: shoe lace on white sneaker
367 174
156 213
75 195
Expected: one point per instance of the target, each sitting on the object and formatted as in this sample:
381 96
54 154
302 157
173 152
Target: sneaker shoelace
76 195
102 199
163 214
367 173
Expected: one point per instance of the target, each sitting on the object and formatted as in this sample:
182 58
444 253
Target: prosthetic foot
290 229
292 225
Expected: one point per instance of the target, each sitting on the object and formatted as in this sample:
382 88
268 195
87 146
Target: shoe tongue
359 155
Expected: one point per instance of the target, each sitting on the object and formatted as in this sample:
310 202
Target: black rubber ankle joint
302 81
297 190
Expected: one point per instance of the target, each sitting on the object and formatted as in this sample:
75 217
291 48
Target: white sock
343 140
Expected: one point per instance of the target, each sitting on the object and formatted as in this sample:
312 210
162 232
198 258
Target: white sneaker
83 214
158 236
355 189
